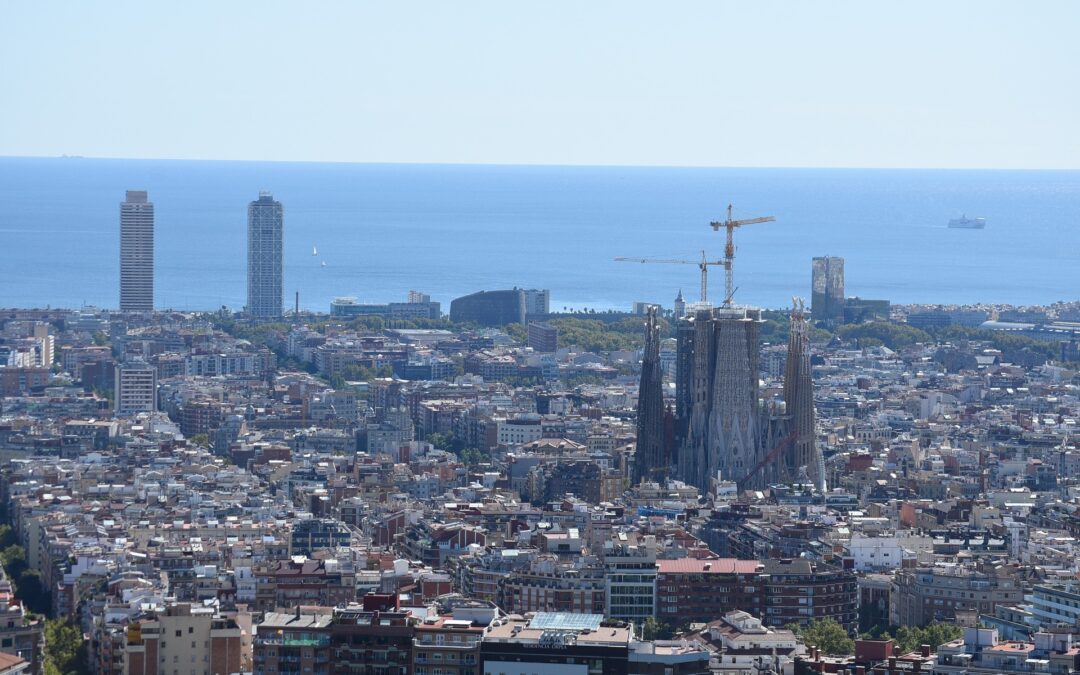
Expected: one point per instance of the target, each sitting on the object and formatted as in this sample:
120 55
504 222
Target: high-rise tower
650 460
266 284
827 298
719 389
802 452
136 253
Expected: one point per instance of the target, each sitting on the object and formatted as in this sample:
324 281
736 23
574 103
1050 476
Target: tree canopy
828 635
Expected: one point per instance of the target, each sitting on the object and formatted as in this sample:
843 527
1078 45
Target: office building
718 395
136 388
827 298
136 253
266 283
556 642
489 308
650 460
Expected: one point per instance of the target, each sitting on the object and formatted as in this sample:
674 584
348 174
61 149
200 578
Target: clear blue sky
748 83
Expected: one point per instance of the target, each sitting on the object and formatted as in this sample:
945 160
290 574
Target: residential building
696 590
537 302
318 534
136 388
924 594
297 641
186 639
631 577
543 337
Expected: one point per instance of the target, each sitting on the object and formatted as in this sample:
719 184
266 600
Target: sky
958 84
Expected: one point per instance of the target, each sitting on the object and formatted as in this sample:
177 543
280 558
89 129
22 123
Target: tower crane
703 264
729 248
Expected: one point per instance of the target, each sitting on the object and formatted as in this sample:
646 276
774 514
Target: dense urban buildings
136 253
265 258
827 291
337 495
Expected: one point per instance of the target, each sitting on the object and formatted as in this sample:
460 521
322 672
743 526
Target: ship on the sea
965 223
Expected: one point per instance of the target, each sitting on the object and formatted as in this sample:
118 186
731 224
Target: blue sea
449 230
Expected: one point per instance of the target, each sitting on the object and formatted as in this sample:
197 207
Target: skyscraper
802 452
650 459
719 386
266 283
827 298
136 253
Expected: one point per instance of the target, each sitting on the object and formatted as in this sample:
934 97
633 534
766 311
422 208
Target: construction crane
766 460
703 264
729 248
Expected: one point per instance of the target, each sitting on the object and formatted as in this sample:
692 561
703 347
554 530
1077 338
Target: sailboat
314 251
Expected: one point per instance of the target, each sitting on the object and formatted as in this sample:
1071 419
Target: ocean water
449 230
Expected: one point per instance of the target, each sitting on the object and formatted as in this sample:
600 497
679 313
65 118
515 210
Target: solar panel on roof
566 621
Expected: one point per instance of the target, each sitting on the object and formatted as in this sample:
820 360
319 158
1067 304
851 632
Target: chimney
925 651
892 663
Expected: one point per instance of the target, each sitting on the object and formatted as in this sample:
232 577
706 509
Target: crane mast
729 248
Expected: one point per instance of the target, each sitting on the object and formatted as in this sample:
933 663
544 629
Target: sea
376 231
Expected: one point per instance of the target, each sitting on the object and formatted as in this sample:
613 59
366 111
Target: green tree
201 440
31 590
65 649
892 335
474 456
656 630
909 638
828 635
13 559
7 536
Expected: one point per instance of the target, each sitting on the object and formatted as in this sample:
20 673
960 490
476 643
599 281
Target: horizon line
570 165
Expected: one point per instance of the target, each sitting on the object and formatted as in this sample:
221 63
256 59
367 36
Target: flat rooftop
563 627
